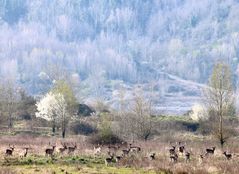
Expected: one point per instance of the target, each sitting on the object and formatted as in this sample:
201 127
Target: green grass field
63 165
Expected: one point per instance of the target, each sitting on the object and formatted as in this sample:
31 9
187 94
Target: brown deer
26 152
10 150
125 152
152 156
63 148
50 151
227 155
109 160
172 150
134 148
118 158
71 149
174 158
187 156
210 151
181 148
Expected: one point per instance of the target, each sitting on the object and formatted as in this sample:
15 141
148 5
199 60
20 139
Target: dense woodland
102 40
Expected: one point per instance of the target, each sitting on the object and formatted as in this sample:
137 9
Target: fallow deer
227 155
26 152
187 156
181 148
152 156
109 160
210 151
125 152
50 151
63 148
71 149
10 150
118 158
134 148
172 150
174 157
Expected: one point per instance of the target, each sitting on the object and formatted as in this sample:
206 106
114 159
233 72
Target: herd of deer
182 150
174 152
48 151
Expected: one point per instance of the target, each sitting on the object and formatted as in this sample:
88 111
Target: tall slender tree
219 97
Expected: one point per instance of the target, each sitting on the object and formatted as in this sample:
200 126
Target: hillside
100 44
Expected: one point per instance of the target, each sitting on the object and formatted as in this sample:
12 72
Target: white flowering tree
53 107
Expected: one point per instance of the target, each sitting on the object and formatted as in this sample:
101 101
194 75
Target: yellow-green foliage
65 89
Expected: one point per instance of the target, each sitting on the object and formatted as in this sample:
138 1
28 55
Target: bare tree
9 100
137 122
219 98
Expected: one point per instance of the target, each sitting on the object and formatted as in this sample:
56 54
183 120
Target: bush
105 139
82 128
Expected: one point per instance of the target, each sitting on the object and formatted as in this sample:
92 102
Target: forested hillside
99 44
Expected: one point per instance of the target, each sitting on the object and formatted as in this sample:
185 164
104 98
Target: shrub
105 139
82 128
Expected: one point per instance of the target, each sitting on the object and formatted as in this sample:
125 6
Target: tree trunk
10 121
53 128
221 133
63 133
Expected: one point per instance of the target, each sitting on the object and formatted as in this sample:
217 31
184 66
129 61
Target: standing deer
26 151
187 156
109 160
50 151
10 150
71 149
125 152
227 155
152 156
174 157
63 148
118 158
210 151
172 150
134 148
181 148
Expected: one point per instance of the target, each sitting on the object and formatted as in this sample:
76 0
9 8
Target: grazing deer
227 155
187 156
125 152
152 156
134 148
172 150
174 158
118 158
210 150
50 151
63 148
26 152
10 150
71 149
109 160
